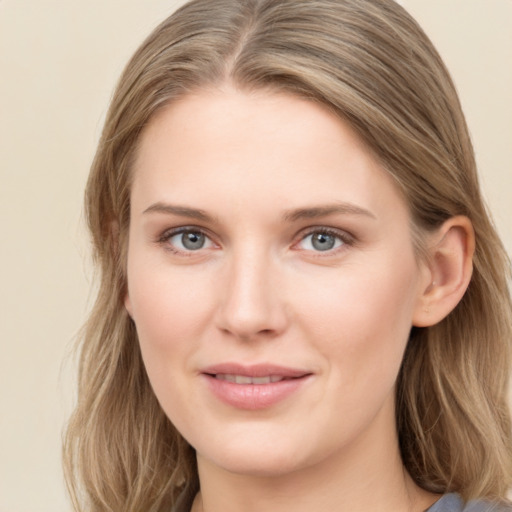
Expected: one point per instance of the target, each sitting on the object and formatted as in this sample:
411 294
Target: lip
254 396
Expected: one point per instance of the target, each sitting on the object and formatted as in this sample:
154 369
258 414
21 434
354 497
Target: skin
260 291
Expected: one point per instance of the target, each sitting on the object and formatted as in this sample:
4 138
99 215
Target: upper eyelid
348 241
163 240
341 233
168 233
163 237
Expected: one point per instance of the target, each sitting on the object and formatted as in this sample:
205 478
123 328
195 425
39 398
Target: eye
187 240
321 241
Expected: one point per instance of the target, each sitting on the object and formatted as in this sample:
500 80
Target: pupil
193 241
323 241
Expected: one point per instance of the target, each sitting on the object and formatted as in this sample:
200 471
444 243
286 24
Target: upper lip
255 370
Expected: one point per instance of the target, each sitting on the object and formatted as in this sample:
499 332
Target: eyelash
346 239
166 236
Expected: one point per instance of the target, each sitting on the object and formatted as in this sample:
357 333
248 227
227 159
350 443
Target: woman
303 303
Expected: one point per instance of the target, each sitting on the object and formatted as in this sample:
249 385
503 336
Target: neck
305 494
367 476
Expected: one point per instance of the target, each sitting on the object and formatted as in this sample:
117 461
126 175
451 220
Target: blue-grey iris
323 241
193 240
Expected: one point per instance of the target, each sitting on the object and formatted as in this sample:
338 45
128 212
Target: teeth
261 380
241 379
244 379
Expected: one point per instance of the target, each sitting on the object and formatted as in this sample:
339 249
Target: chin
258 459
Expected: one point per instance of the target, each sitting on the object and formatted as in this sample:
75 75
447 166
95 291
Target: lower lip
254 396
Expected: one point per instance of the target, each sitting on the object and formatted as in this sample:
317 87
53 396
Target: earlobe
128 305
451 266
115 234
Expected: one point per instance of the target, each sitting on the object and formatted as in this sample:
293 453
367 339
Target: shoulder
453 503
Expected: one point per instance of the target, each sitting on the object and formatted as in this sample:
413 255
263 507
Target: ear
116 247
128 304
450 265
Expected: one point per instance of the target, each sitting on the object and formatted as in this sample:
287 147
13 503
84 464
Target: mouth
254 374
254 387
245 379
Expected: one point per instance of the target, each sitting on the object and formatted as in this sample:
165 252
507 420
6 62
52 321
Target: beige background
58 63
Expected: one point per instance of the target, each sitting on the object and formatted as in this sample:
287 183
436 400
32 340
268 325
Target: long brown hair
371 64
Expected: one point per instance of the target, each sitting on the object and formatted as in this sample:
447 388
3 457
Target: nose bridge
252 300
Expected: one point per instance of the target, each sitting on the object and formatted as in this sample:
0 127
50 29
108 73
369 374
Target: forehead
264 118
227 145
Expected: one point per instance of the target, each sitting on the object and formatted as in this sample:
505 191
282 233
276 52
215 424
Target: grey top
453 503
447 503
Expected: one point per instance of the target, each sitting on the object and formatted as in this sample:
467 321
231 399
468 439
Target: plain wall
59 61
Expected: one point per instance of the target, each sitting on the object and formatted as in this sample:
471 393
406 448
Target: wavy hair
370 63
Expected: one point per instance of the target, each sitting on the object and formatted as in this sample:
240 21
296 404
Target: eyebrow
182 211
289 215
325 210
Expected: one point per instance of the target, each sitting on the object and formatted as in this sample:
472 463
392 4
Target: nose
252 301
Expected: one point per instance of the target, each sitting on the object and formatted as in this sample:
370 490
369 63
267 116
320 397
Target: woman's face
272 280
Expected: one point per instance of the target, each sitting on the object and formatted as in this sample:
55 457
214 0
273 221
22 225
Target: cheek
164 299
169 309
362 319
